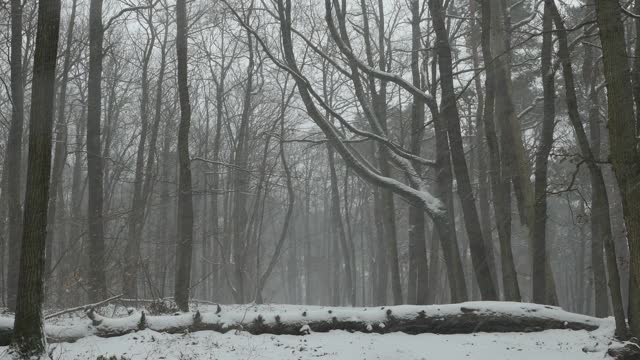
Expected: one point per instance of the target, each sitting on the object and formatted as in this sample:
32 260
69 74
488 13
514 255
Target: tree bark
600 206
539 230
452 118
483 173
418 266
185 202
241 183
381 274
379 105
636 65
598 217
514 161
444 186
622 132
148 185
498 174
337 220
29 337
13 159
96 249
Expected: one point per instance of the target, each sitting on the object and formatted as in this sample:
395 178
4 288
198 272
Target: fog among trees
344 153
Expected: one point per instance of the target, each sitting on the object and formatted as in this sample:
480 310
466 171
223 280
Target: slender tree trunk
636 66
634 292
185 202
340 229
77 187
60 151
308 265
136 215
215 182
13 159
418 266
514 160
96 250
539 253
499 176
598 231
433 206
444 186
350 244
165 209
28 336
148 173
288 216
484 188
600 206
241 184
451 116
388 203
381 274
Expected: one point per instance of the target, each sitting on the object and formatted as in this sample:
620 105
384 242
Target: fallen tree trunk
463 318
626 351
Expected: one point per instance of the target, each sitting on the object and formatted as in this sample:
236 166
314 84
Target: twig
126 10
82 308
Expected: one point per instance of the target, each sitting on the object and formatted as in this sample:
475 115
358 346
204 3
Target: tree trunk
418 266
452 118
241 184
13 159
600 206
514 160
96 250
148 173
60 151
29 337
539 230
337 220
381 274
598 232
165 209
444 186
499 175
479 143
185 203
432 205
138 203
290 206
636 66
456 319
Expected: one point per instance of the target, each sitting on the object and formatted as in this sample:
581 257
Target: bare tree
136 218
452 118
96 249
539 231
418 266
623 141
499 175
28 337
185 203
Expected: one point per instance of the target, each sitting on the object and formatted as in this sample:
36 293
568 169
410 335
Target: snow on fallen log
464 318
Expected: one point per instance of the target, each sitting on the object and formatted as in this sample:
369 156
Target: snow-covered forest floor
337 344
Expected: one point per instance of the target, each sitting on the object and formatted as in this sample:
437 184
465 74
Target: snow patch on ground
148 344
